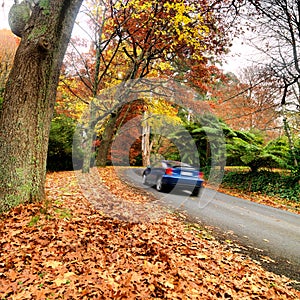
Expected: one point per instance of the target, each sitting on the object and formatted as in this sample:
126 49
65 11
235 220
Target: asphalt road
264 231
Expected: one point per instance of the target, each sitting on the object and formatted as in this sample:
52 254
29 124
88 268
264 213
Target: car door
156 170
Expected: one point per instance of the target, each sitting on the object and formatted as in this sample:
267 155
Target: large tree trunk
146 148
29 102
107 140
88 144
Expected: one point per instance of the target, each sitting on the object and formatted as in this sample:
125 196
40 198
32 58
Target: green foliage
64 213
266 182
45 5
181 137
34 220
208 135
1 101
243 148
138 160
173 156
294 159
248 149
60 144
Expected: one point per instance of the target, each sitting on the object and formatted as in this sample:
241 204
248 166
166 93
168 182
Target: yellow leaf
169 284
254 288
69 275
60 281
201 256
53 264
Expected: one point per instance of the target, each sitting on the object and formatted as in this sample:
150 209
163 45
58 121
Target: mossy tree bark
106 141
29 100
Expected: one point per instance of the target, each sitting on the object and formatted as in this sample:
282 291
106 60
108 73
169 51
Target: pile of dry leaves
66 249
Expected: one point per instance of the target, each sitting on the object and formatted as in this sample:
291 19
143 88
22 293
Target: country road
265 232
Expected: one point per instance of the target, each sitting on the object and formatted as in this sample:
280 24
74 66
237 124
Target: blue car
167 174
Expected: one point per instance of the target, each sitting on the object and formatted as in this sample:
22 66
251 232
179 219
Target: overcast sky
240 56
4 12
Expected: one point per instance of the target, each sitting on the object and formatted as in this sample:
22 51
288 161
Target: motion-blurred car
167 174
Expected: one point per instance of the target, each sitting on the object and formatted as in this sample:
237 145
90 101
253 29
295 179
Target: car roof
176 163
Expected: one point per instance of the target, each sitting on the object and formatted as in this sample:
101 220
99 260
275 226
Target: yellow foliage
161 111
183 22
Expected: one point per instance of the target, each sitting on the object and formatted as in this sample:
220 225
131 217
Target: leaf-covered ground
64 248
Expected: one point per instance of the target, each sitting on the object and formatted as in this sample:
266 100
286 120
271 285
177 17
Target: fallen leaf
53 264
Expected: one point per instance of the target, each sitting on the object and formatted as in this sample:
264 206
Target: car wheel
195 192
159 185
144 179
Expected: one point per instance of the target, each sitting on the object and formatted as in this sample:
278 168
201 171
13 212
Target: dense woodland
182 43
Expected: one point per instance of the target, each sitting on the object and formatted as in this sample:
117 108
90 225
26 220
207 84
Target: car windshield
178 164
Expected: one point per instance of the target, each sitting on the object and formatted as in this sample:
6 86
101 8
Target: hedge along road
263 231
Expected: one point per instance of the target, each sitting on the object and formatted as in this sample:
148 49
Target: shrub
249 150
60 144
266 182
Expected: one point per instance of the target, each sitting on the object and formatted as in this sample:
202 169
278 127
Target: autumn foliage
8 46
247 104
66 249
